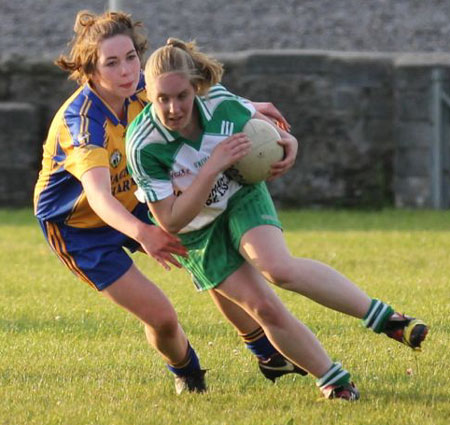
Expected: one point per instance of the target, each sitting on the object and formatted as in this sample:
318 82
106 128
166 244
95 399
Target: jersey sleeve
220 90
149 172
84 144
86 157
247 104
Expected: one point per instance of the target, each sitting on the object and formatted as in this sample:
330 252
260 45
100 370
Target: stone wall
365 122
340 107
33 28
421 123
30 93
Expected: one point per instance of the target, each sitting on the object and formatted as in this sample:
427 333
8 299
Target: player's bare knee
267 311
163 324
279 274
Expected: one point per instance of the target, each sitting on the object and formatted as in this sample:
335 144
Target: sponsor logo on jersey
121 182
199 164
115 158
180 173
219 190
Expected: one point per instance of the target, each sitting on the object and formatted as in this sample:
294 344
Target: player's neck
115 103
194 129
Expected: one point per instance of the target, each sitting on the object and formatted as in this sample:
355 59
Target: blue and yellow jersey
85 133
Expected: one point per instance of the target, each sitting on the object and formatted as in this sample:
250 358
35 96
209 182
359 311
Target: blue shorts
97 255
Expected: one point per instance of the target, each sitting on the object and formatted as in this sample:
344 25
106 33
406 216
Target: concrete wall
365 122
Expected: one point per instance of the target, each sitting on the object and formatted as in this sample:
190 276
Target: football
265 151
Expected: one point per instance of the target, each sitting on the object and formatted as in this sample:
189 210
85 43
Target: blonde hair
202 70
90 30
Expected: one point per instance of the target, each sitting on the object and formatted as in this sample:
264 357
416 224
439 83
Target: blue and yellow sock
189 364
377 316
258 343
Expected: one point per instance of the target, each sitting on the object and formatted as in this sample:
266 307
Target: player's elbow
170 226
170 220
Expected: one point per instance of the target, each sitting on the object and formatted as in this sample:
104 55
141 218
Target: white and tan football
265 151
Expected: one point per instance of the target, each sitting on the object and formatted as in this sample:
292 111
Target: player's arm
155 242
290 146
175 212
269 110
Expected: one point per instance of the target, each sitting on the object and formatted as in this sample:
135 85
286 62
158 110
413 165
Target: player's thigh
137 294
264 247
241 320
247 288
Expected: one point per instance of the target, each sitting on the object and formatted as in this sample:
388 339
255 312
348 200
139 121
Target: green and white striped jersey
163 163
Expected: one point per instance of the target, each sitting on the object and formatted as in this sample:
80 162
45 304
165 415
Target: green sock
377 316
336 375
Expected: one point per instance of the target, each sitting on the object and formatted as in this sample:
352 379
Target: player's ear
196 87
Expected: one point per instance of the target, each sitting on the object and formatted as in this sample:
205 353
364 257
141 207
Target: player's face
117 73
173 97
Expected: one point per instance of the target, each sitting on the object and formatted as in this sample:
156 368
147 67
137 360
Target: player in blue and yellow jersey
85 133
84 197
178 150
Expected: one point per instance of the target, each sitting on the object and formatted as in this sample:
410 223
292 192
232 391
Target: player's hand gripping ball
265 151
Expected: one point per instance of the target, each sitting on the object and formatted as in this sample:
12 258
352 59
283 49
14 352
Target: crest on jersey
115 158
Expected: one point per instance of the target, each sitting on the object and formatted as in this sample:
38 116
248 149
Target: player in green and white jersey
164 162
172 167
178 150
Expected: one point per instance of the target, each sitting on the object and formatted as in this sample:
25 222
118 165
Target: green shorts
214 250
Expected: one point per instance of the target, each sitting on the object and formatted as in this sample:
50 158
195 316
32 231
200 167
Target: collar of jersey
171 136
104 107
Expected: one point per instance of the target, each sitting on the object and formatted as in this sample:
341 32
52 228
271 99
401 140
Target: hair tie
86 20
173 42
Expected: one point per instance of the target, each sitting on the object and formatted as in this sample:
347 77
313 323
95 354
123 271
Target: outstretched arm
154 241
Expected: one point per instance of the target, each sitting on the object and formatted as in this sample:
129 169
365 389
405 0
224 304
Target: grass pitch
70 357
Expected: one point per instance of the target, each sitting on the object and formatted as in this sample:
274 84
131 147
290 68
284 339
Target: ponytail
202 70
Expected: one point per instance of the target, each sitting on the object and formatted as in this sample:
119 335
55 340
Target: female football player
84 197
178 150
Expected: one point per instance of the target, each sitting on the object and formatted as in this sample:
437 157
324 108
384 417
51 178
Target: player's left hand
162 246
270 111
290 146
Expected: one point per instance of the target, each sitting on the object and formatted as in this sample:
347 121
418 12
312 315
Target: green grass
70 357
